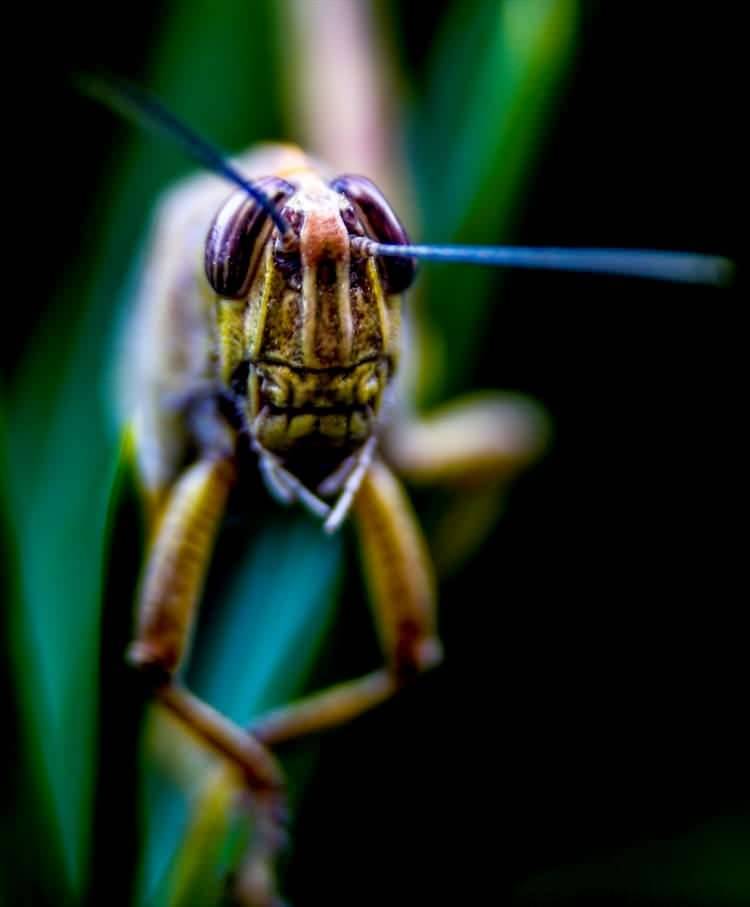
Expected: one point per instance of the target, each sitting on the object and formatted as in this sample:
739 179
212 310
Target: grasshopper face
308 330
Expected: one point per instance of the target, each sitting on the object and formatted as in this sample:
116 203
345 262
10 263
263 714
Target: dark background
594 689
591 700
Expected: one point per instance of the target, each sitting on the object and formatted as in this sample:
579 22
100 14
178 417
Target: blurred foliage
84 818
493 76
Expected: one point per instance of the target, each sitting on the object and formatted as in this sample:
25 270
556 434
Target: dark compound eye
382 225
232 245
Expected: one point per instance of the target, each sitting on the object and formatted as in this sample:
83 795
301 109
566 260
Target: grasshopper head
310 328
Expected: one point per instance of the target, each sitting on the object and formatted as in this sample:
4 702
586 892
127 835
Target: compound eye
234 242
381 224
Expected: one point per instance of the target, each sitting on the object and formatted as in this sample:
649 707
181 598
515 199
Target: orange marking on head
323 236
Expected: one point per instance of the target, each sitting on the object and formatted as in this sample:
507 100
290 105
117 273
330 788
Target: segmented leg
474 445
171 586
398 572
177 563
218 791
469 441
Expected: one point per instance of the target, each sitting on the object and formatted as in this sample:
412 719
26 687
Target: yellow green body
305 365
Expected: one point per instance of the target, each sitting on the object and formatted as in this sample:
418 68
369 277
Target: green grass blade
59 518
497 69
61 442
260 648
116 843
31 868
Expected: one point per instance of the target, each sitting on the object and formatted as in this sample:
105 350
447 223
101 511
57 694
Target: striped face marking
316 327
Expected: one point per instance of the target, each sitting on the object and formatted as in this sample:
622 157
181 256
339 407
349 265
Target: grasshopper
269 336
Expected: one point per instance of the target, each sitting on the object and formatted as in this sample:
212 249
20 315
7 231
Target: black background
593 694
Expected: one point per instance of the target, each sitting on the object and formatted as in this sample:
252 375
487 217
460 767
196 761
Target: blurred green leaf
123 698
16 794
496 71
62 444
59 511
31 869
211 848
274 618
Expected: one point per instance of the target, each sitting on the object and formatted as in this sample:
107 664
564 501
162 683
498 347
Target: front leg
177 563
399 574
474 443
402 587
183 537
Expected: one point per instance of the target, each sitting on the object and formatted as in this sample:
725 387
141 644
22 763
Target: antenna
144 110
680 267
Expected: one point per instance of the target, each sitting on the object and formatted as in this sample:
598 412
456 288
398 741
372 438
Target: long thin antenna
681 267
144 110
